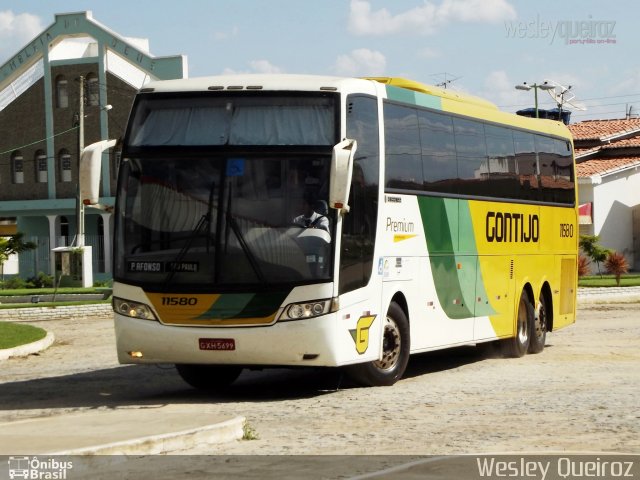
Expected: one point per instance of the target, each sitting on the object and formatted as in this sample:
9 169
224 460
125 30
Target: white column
52 241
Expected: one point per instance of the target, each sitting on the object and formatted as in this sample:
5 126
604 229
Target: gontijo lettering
512 227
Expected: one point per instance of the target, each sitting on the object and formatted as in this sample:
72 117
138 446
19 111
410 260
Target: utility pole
79 204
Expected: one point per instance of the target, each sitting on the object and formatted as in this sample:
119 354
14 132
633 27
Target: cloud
500 88
264 66
222 35
360 61
427 18
256 66
16 30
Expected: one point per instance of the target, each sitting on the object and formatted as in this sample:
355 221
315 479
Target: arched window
17 167
64 162
93 92
62 94
40 160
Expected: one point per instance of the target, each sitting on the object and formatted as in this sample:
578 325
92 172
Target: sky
481 47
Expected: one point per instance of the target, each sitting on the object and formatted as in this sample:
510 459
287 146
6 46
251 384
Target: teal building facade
40 100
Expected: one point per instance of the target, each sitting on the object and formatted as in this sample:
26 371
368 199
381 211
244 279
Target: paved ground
579 395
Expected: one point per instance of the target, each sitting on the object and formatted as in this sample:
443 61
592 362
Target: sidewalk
129 431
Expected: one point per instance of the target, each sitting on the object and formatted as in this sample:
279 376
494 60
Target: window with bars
41 167
17 167
65 165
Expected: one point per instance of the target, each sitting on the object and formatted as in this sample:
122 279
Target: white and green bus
285 220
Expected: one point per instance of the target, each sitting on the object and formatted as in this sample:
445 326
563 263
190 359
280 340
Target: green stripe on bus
453 256
468 245
263 305
414 98
244 305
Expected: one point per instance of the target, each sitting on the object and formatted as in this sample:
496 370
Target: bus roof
272 82
400 89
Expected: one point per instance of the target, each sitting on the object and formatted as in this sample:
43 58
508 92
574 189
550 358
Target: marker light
132 309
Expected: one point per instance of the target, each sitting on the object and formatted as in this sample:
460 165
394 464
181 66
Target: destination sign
160 267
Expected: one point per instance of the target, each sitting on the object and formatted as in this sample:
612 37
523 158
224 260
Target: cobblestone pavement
579 395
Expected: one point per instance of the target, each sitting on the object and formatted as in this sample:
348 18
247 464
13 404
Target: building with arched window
39 117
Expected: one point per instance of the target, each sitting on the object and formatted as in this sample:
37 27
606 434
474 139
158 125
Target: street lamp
543 86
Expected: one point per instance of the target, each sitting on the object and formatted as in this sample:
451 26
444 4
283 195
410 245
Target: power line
38 141
583 100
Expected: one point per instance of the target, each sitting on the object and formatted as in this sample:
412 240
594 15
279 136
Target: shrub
42 280
583 266
14 283
616 265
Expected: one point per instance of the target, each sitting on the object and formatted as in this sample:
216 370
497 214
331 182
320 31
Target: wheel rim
541 322
390 346
523 333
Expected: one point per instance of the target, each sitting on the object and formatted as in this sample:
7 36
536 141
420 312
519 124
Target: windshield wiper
204 220
233 223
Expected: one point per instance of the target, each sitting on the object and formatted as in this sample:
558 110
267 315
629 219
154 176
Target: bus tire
518 345
539 327
395 353
209 377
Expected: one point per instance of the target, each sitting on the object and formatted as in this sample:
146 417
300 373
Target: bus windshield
212 184
207 221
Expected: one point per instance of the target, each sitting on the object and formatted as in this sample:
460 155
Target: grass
629 280
35 292
13 335
249 433
6 306
50 291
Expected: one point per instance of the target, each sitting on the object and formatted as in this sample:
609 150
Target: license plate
217 344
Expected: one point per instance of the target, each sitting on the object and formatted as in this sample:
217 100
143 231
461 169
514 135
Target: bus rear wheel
209 377
518 345
395 353
539 327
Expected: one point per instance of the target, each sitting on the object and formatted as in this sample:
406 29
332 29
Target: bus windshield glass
221 220
226 189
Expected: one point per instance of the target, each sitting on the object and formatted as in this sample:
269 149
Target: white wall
613 200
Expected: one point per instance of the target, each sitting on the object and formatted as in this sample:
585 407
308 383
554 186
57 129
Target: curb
28 349
608 295
215 433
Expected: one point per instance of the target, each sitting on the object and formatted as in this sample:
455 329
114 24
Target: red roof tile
601 166
601 129
633 142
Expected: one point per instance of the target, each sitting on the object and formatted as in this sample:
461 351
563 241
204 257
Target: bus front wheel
518 345
395 353
209 377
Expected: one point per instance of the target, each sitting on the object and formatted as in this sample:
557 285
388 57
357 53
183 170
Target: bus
291 220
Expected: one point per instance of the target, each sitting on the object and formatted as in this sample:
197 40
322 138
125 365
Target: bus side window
359 225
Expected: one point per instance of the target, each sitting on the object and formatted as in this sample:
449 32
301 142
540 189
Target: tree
13 244
597 253
616 265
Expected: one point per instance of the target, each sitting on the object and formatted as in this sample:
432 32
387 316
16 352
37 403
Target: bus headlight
132 309
303 310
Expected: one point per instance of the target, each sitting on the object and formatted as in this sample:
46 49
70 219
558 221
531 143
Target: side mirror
90 168
341 171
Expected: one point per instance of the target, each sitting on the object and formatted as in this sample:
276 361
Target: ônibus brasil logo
35 469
